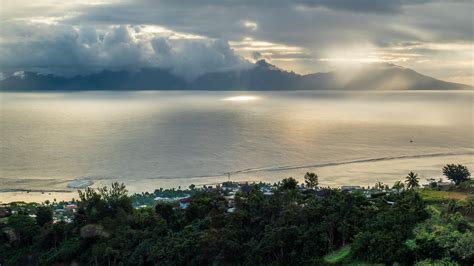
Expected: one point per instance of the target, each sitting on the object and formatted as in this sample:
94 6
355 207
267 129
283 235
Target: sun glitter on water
241 98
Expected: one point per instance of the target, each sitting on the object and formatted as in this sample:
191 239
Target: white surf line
293 167
369 160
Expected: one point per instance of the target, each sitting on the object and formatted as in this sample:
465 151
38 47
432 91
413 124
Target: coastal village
64 211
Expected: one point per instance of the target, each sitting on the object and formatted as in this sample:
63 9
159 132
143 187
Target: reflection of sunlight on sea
242 98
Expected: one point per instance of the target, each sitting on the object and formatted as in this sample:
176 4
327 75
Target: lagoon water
151 139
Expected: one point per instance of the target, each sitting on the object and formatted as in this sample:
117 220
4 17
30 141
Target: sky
192 37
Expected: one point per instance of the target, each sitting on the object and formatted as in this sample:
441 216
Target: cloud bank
68 50
191 37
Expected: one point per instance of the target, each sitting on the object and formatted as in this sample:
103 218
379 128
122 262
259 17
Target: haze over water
161 139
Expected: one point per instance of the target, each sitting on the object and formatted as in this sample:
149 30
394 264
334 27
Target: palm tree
379 185
398 186
412 180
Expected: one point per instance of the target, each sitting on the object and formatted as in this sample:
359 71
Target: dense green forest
293 226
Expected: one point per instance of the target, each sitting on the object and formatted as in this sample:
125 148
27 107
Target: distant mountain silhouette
144 79
262 76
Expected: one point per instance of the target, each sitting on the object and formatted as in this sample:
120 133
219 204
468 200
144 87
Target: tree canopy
311 180
457 173
290 227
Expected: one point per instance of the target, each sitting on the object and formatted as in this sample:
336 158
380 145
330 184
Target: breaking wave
318 165
369 160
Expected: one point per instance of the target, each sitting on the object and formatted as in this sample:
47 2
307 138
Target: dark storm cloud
71 50
307 22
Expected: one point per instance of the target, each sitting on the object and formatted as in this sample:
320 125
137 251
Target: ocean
151 139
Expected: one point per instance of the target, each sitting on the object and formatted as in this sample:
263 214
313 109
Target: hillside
262 76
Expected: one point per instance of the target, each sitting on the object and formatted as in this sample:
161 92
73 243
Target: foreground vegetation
292 226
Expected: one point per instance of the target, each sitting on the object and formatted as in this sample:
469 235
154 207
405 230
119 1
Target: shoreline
365 174
36 196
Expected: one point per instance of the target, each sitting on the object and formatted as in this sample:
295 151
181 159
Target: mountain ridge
262 76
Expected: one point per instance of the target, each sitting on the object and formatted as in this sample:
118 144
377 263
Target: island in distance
261 76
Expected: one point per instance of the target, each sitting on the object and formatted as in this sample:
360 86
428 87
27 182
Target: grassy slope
435 196
435 199
338 256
